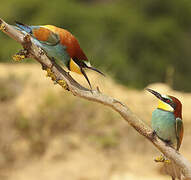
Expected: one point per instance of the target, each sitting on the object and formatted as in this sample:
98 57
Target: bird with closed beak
167 124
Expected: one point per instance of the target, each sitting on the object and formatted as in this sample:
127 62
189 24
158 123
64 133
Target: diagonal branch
60 75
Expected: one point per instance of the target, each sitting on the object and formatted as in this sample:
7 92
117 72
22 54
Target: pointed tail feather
24 27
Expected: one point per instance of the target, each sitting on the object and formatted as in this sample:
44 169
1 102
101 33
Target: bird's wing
41 33
46 36
179 131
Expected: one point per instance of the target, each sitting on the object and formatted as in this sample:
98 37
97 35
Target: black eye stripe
166 100
171 103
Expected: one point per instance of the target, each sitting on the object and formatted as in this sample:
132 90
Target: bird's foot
168 143
162 158
53 60
22 54
152 135
2 27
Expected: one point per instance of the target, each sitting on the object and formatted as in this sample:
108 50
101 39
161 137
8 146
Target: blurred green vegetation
137 42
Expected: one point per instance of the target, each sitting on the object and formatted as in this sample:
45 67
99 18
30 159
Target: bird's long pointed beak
158 95
94 69
86 77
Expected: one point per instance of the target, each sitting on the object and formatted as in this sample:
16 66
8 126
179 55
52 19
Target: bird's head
168 103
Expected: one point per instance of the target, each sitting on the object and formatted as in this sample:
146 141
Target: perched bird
60 44
167 124
167 119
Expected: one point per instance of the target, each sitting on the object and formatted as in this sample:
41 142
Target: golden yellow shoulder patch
50 27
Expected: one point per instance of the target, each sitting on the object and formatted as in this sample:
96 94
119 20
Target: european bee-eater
167 124
60 44
167 119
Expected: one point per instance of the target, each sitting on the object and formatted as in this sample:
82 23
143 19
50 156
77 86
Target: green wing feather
52 40
179 132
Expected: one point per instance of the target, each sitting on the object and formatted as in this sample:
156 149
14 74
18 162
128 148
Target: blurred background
46 133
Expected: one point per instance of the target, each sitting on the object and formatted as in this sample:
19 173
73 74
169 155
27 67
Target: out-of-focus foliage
137 42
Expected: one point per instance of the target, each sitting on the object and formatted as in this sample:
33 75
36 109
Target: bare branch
59 75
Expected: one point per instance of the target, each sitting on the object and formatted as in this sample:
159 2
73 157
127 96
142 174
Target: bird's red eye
168 101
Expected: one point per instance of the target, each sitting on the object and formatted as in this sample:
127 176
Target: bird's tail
23 27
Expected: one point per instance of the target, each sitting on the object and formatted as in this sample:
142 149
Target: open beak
158 95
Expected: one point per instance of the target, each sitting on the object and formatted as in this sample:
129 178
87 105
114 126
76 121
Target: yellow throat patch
74 67
164 106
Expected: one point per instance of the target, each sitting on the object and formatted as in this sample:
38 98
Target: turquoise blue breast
163 122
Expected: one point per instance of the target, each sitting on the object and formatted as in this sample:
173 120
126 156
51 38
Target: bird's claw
53 61
152 134
68 73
